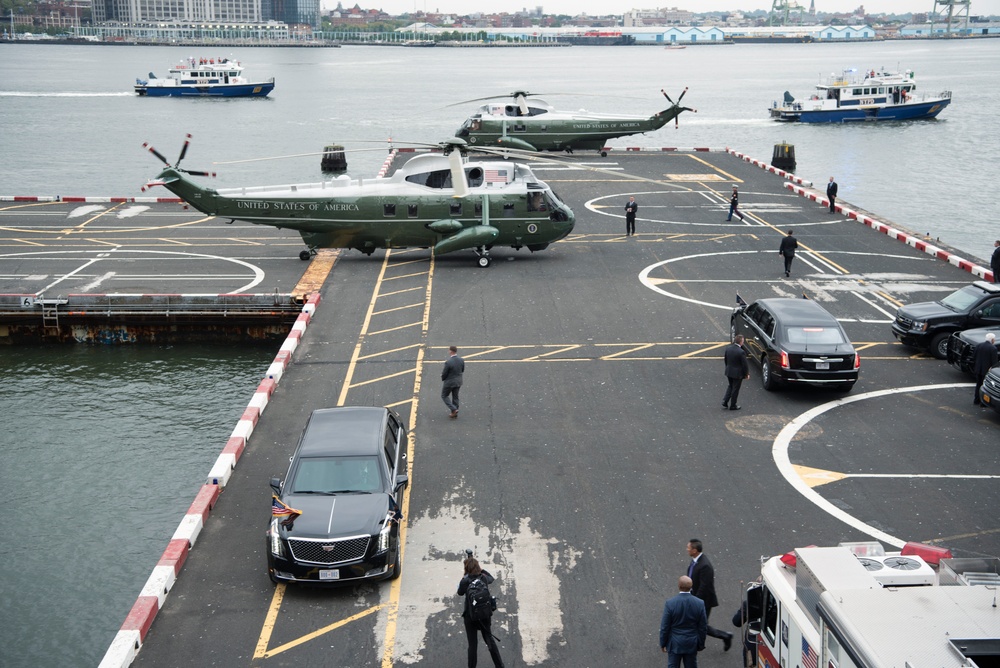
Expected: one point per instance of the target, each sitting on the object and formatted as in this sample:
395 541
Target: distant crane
947 10
781 9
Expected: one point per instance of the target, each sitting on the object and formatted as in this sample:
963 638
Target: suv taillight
857 361
784 360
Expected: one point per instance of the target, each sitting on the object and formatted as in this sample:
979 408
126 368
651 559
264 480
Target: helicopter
532 124
436 200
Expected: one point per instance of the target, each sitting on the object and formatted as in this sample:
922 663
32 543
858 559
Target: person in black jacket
631 207
473 572
787 250
734 204
702 576
984 359
451 379
831 193
737 370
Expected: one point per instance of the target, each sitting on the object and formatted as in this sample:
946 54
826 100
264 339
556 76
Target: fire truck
857 606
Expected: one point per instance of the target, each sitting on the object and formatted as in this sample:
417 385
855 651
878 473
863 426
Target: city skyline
603 7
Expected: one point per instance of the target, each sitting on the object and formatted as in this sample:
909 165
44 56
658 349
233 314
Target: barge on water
867 96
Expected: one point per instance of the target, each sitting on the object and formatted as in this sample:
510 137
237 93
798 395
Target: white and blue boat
862 96
204 77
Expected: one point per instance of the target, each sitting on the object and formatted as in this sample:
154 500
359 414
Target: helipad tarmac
591 445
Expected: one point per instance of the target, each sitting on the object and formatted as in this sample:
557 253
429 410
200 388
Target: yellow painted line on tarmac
383 353
389 642
28 205
731 177
356 355
890 298
707 349
269 620
381 378
961 536
397 308
816 477
97 216
317 272
634 348
318 632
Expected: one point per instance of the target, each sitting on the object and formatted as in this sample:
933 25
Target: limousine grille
328 552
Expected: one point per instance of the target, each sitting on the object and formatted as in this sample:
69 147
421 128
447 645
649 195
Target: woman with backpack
478 611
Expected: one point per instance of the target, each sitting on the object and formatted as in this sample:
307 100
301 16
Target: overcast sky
601 7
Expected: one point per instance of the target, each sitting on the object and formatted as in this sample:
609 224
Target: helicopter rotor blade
534 157
683 93
148 147
184 150
194 173
666 96
458 180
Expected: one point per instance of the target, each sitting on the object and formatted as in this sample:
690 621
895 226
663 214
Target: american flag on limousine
496 176
809 658
280 509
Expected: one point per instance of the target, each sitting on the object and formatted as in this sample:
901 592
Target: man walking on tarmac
683 627
703 586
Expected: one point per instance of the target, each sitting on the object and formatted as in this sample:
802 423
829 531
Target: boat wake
15 93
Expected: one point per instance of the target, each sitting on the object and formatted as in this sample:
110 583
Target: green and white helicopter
531 124
436 200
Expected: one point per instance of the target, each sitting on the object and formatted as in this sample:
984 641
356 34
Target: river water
105 447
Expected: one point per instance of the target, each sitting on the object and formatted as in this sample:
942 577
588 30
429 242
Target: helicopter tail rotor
676 108
177 165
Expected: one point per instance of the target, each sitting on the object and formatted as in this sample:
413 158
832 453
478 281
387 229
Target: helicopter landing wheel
485 261
604 154
307 254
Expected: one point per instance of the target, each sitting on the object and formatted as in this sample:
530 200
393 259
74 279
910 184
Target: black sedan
796 341
962 346
335 517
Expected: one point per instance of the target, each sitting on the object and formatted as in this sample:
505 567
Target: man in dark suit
631 207
703 586
831 193
451 377
995 261
984 359
737 370
683 626
787 250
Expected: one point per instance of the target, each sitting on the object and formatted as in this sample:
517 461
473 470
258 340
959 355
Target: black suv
796 341
928 325
962 346
345 484
990 392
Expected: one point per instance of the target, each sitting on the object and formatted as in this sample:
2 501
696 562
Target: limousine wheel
766 379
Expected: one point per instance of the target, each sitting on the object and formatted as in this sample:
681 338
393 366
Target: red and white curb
770 168
129 639
908 239
100 200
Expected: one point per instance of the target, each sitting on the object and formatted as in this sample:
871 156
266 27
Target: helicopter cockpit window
455 208
389 210
411 210
508 209
536 201
440 178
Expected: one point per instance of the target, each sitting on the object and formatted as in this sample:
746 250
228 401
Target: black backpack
481 604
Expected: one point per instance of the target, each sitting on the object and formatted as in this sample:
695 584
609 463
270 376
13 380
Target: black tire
767 379
397 565
305 255
845 388
485 261
939 346
271 577
732 330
